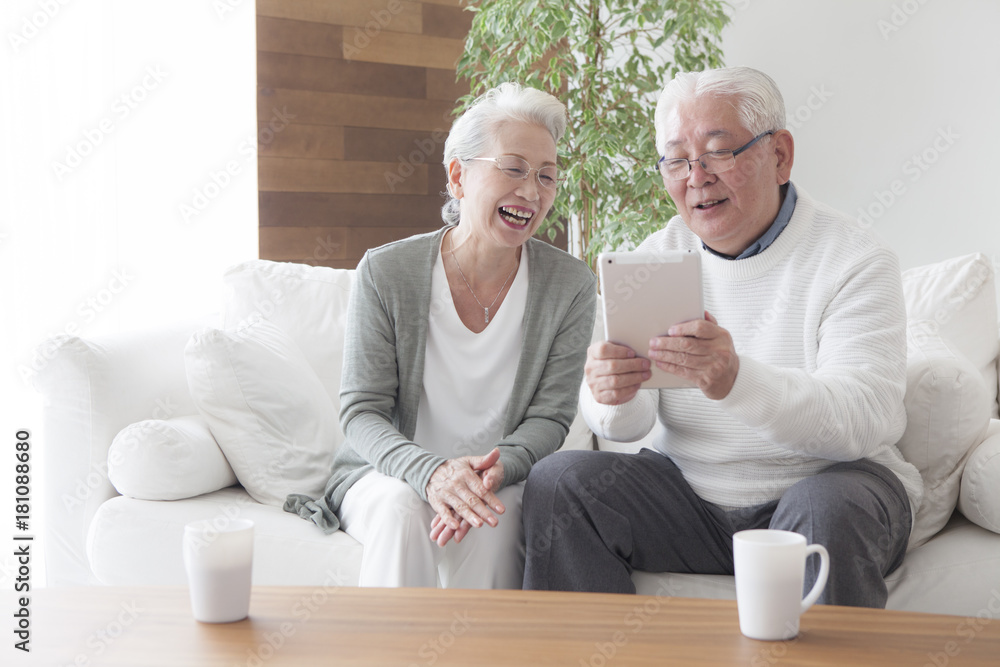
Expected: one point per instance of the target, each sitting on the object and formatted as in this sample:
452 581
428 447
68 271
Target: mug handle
824 571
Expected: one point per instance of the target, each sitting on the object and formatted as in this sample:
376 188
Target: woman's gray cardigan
384 367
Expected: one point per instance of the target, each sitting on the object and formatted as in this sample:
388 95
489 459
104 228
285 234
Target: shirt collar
779 224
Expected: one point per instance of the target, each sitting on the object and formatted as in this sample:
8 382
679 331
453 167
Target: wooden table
305 626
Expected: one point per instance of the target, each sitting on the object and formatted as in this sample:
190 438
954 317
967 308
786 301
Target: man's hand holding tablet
700 351
655 335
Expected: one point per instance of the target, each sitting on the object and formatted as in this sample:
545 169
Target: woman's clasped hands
461 491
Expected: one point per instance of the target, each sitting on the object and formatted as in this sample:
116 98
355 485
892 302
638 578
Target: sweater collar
780 247
768 237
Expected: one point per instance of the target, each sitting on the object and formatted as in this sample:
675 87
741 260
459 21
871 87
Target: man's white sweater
818 321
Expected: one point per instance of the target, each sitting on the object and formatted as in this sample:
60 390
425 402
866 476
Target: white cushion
307 302
947 413
956 299
979 500
136 543
266 408
168 459
955 572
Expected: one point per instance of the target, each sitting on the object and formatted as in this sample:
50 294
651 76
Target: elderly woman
463 358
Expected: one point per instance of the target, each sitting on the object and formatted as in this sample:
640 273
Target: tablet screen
644 294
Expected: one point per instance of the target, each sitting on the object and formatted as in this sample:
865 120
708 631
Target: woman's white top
468 377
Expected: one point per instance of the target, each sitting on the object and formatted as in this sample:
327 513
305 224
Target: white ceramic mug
218 557
770 569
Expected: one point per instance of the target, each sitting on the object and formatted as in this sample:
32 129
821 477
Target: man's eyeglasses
519 169
713 162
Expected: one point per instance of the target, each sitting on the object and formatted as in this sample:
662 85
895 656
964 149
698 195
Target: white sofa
192 423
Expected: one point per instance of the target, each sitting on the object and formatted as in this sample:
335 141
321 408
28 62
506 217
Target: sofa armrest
979 497
91 389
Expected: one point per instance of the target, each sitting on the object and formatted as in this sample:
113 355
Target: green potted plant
607 60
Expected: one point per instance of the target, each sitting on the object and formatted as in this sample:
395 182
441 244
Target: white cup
770 569
218 557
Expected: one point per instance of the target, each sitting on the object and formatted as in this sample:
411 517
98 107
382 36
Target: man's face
730 210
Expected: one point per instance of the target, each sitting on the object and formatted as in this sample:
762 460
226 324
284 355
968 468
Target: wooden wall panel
293 244
348 110
300 140
389 47
441 85
299 72
355 99
299 175
309 39
395 15
443 21
316 209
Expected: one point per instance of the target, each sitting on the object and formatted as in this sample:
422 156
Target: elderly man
800 373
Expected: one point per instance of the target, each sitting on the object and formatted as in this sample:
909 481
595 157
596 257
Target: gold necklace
486 309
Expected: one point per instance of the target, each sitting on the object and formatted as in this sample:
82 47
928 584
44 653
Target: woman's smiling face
506 210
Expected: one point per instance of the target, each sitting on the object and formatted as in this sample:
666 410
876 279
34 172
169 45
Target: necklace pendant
486 313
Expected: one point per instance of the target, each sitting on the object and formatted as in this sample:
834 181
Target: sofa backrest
956 300
308 302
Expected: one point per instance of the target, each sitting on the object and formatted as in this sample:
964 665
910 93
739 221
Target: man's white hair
755 96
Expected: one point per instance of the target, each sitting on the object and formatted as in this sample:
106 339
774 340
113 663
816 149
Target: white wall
115 113
893 105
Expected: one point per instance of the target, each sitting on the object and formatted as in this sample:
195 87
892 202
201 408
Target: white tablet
644 294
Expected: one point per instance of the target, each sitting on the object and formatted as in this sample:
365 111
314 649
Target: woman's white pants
393 523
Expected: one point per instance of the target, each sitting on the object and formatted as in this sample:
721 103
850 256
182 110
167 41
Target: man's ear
784 151
455 178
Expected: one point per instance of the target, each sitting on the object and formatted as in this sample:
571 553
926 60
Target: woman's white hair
756 96
472 132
